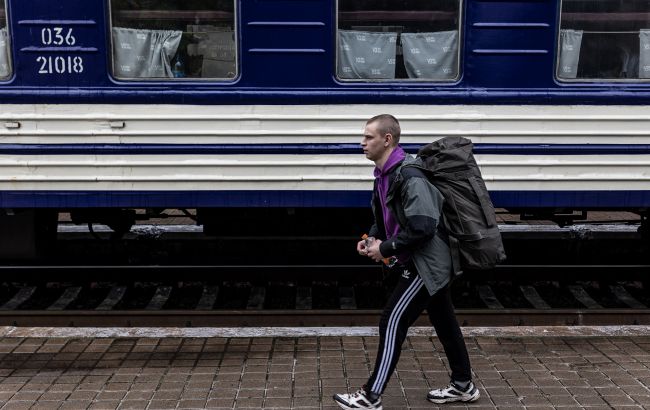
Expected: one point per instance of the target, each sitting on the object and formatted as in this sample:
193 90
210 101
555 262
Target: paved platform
533 368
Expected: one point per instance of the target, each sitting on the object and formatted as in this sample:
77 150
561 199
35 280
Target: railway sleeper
319 295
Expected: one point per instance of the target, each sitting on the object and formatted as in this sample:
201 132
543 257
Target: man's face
373 143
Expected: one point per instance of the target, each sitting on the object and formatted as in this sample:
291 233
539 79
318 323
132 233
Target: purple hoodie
381 175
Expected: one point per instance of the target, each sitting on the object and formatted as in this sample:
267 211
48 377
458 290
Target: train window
604 39
404 40
5 50
173 39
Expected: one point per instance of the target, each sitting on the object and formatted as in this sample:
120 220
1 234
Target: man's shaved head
387 124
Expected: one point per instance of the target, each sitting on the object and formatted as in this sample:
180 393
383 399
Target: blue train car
245 105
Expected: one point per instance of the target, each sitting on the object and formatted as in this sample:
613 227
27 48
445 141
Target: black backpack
468 212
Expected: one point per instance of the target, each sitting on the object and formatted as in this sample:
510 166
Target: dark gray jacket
416 204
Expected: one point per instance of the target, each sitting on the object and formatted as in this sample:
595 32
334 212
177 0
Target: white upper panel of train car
169 103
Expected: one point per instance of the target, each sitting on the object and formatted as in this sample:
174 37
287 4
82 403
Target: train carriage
248 109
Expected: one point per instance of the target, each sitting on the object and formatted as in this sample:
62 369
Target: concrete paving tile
520 391
82 395
26 396
306 402
89 387
22 374
489 383
396 402
610 391
535 400
62 387
54 395
220 403
277 403
562 400
11 387
339 383
591 401
138 395
110 395
249 403
17 405
555 391
163 404
225 384
512 401
636 390
643 400
278 392
75 405
147 386
167 395
619 400
133 404
191 404
223 393
47 405
250 393
171 386
520 382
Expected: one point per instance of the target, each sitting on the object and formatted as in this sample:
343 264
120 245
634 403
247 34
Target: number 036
60 65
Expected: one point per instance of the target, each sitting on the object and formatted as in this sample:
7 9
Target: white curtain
431 55
644 54
366 55
144 53
570 42
5 66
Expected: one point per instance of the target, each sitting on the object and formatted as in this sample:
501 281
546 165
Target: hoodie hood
394 158
383 184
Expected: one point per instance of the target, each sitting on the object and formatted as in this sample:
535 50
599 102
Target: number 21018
60 65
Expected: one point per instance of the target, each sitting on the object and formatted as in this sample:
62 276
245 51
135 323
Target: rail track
292 318
313 295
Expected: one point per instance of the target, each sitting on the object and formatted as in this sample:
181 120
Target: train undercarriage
28 234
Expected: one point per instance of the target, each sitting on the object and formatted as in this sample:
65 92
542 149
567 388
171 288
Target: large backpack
468 212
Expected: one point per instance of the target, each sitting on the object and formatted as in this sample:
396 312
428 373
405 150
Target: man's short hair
387 124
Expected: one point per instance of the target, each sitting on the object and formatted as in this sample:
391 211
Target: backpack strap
454 243
485 204
469 236
454 248
481 193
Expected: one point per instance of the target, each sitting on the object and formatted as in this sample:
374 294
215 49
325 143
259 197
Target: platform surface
533 368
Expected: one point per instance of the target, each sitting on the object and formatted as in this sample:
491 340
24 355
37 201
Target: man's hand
373 251
362 248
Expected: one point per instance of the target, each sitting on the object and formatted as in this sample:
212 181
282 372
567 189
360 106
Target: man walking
409 230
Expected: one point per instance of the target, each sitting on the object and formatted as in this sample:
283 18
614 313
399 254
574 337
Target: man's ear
388 141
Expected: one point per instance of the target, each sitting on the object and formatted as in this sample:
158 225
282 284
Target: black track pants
404 306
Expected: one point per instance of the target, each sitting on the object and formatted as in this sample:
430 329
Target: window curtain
144 53
5 67
629 62
366 55
431 55
644 54
570 42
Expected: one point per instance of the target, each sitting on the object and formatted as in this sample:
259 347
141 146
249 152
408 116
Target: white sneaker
357 400
454 393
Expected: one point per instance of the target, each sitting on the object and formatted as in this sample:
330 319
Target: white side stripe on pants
391 330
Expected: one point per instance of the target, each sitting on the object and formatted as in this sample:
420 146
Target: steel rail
160 273
299 318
